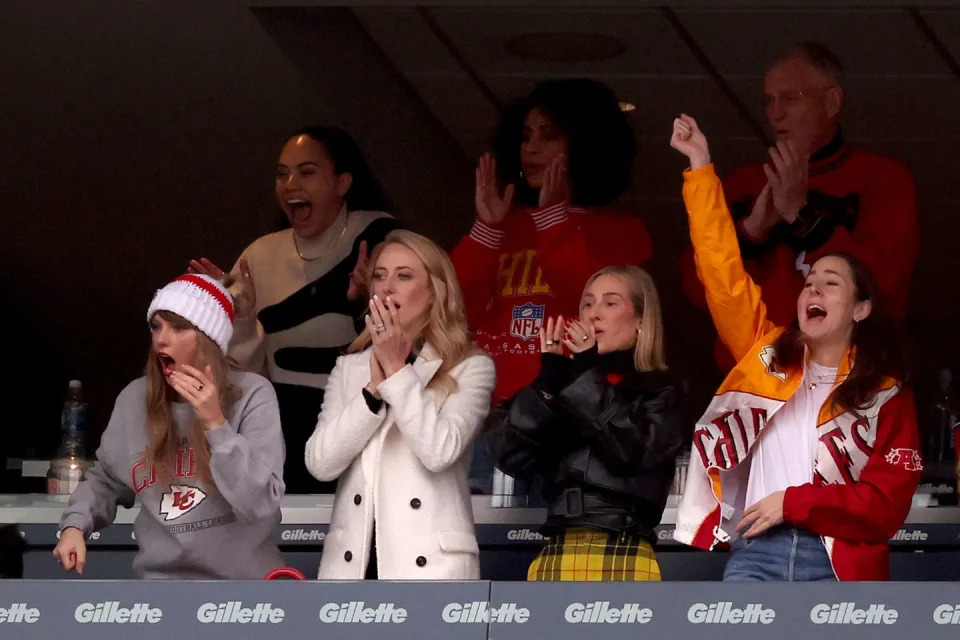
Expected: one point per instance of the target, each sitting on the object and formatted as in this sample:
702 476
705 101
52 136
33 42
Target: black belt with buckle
573 503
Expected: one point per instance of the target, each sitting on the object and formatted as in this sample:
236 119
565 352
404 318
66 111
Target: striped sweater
303 321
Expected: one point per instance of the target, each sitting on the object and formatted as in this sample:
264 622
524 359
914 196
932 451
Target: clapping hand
391 346
492 206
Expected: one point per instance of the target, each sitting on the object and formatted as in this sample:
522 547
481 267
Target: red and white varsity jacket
867 466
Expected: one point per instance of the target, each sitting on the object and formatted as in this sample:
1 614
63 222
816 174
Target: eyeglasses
791 98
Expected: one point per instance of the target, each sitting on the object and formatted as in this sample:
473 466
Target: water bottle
73 422
67 469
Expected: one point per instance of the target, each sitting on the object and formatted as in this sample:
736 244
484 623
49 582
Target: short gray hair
817 55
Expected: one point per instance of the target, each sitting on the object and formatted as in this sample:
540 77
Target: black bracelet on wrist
373 402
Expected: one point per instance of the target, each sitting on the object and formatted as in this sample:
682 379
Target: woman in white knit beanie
197 444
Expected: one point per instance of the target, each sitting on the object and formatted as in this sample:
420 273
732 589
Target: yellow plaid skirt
592 555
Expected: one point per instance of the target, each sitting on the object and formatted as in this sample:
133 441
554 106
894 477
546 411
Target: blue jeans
782 553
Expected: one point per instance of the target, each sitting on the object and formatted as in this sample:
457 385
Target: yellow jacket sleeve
732 296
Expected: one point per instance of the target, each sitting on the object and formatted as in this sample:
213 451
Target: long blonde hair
163 443
444 326
648 352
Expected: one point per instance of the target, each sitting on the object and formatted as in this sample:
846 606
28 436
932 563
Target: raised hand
245 294
205 267
551 336
391 346
199 389
787 179
242 291
556 185
690 141
492 206
579 336
358 277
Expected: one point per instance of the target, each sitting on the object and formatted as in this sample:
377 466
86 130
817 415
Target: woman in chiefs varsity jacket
807 458
599 433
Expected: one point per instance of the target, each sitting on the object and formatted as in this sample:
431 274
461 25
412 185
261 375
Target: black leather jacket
602 453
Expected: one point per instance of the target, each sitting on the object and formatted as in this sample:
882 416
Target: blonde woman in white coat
399 416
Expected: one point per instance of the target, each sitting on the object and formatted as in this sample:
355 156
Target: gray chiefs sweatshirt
185 529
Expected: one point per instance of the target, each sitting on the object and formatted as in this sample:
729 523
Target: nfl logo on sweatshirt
527 320
180 500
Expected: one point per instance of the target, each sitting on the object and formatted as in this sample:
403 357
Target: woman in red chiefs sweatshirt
560 157
807 458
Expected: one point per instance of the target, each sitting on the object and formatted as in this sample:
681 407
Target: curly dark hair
879 350
602 145
365 193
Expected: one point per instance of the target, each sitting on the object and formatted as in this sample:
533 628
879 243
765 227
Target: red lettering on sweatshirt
144 478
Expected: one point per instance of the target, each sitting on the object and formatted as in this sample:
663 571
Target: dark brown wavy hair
878 349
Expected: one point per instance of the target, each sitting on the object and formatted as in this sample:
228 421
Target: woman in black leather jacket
599 432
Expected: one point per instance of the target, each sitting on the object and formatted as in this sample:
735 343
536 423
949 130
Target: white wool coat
402 470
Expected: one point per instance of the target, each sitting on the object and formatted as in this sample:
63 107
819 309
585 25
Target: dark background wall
137 135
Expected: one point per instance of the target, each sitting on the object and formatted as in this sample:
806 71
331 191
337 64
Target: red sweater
532 267
858 203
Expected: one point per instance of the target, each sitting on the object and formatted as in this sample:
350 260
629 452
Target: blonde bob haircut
444 325
648 352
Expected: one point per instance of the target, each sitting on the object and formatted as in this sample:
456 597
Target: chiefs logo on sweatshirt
180 500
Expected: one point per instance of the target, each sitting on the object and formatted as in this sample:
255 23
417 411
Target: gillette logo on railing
19 613
726 613
235 612
524 534
482 612
848 613
601 612
112 613
303 535
947 614
902 535
355 612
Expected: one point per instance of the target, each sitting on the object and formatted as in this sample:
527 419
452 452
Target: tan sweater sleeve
247 349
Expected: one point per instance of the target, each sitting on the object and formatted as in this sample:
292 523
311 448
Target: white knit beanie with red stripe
203 301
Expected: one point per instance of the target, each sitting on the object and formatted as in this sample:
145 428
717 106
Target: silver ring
550 343
585 338
379 328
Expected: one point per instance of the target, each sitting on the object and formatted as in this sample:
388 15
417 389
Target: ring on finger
585 338
200 387
380 328
550 343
